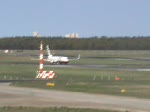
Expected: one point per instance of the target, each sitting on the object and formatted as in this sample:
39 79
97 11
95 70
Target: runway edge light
50 84
123 90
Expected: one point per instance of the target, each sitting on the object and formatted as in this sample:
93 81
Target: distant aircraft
58 59
6 51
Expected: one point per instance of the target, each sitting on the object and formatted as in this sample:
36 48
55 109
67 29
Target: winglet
78 56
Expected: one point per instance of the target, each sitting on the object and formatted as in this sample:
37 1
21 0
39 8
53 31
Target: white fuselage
58 59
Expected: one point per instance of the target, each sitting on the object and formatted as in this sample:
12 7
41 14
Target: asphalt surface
108 67
17 96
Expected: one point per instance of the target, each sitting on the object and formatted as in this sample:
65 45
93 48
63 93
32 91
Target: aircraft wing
38 59
46 60
76 58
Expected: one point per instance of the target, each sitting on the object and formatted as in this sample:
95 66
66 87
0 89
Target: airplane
6 51
58 59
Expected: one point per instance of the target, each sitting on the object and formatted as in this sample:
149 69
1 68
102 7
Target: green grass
98 81
82 80
50 109
93 57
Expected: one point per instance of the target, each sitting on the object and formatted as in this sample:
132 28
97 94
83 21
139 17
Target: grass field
99 81
50 109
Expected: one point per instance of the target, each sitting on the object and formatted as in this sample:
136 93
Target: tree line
93 43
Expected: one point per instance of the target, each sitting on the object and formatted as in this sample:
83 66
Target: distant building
68 36
73 35
35 34
76 35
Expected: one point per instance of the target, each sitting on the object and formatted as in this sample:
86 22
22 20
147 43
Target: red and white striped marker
41 74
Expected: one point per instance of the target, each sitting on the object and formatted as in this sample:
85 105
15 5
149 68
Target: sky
85 17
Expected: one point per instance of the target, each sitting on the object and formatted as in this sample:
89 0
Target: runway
17 96
108 67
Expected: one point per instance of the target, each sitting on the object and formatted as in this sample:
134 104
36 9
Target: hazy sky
85 17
